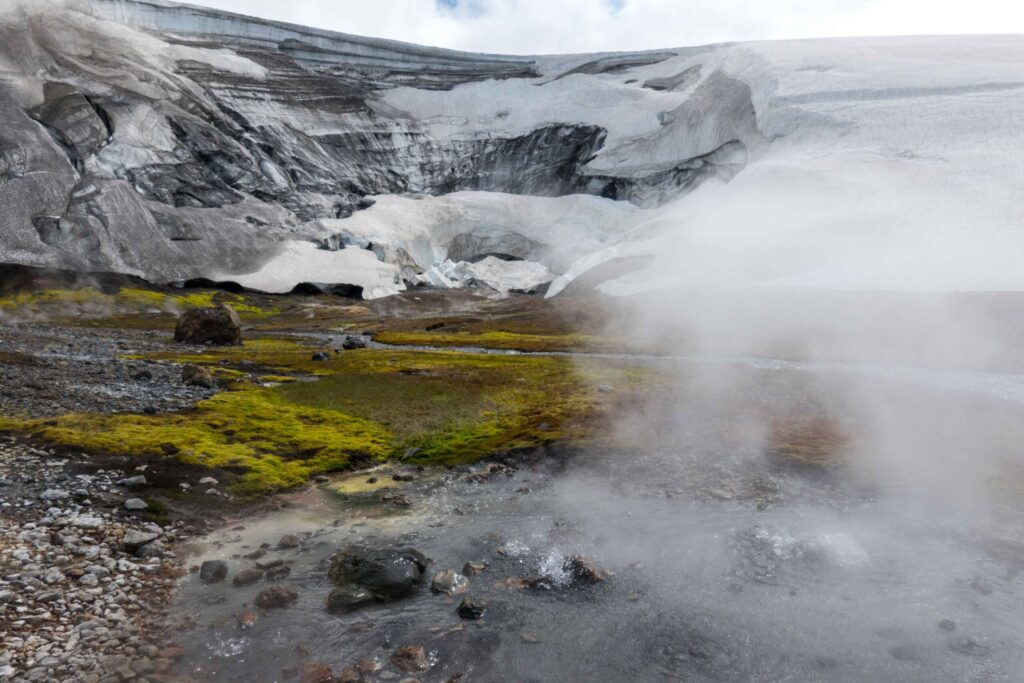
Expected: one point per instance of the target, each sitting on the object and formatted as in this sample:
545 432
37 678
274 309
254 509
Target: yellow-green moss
453 407
271 443
510 341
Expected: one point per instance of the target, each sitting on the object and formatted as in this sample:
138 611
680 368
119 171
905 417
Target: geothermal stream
726 563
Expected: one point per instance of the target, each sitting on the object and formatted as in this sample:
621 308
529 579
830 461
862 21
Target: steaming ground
730 562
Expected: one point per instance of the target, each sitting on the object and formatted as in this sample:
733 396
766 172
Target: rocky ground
50 370
84 571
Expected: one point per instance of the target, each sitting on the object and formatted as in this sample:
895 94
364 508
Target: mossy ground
358 407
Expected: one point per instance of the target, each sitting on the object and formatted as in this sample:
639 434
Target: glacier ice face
197 143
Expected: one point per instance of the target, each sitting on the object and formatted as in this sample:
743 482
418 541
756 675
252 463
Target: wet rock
247 577
321 356
142 376
350 675
219 325
135 504
449 582
471 608
410 658
387 574
317 673
474 568
213 571
347 598
583 572
197 376
208 481
947 625
352 343
278 572
397 499
133 482
246 619
289 542
276 597
402 477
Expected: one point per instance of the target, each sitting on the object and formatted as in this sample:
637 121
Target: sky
553 26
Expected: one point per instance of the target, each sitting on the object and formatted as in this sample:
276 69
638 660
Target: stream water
726 565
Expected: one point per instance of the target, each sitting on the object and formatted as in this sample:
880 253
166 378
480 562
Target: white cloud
547 26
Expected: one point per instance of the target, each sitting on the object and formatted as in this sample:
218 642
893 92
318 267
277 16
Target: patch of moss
269 443
499 339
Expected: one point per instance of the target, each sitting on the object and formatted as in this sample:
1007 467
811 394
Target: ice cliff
176 142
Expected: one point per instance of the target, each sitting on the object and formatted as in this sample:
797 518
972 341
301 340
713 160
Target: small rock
135 504
289 541
278 572
474 568
606 388
213 571
133 540
583 571
471 608
143 375
133 482
353 343
208 481
197 376
320 356
410 658
246 619
54 494
449 582
276 597
947 625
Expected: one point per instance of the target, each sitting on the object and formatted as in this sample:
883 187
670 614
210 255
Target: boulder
213 571
197 376
135 504
219 325
387 574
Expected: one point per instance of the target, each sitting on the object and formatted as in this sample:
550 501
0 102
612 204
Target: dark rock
410 658
387 574
246 619
143 375
133 482
947 625
347 598
471 608
279 572
321 356
583 572
288 542
474 568
213 571
276 597
219 325
353 343
197 376
402 477
350 674
371 480
247 577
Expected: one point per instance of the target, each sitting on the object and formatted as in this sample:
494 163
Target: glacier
175 142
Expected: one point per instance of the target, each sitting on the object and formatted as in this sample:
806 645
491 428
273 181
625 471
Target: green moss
452 407
511 341
270 443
